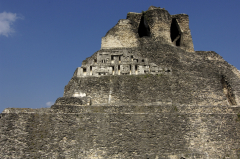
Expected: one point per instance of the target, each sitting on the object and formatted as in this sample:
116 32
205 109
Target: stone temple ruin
145 94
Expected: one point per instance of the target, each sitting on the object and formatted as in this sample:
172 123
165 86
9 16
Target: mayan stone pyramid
146 94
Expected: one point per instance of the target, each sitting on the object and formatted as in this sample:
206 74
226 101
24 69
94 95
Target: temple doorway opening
175 33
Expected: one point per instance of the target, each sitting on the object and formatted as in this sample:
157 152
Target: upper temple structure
146 94
158 46
155 24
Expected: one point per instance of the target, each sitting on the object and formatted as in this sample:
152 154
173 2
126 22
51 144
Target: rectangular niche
118 69
130 68
113 72
136 69
84 71
112 59
90 70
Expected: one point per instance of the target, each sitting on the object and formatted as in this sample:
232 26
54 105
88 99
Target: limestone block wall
78 100
194 79
226 72
124 131
147 89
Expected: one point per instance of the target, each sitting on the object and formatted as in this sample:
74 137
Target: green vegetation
146 76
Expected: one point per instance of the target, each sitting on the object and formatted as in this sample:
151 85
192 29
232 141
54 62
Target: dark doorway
175 33
143 29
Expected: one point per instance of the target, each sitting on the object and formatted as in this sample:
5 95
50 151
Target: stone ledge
151 109
129 109
73 101
26 110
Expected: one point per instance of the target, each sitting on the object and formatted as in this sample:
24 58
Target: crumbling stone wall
154 24
194 79
159 21
186 38
125 131
120 35
171 71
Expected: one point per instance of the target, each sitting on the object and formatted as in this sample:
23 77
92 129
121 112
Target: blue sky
42 42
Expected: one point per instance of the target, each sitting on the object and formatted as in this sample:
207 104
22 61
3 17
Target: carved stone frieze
119 62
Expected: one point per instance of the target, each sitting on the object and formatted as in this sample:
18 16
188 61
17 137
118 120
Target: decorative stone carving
125 69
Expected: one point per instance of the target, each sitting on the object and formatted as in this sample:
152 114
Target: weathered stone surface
124 131
156 24
73 101
192 79
145 94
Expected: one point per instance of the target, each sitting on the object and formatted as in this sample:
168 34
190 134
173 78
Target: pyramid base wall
123 131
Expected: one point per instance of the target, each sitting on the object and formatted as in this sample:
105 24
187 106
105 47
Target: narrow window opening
136 69
175 33
95 60
112 59
131 58
84 71
227 90
119 59
143 29
90 70
142 60
118 69
130 68
113 70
